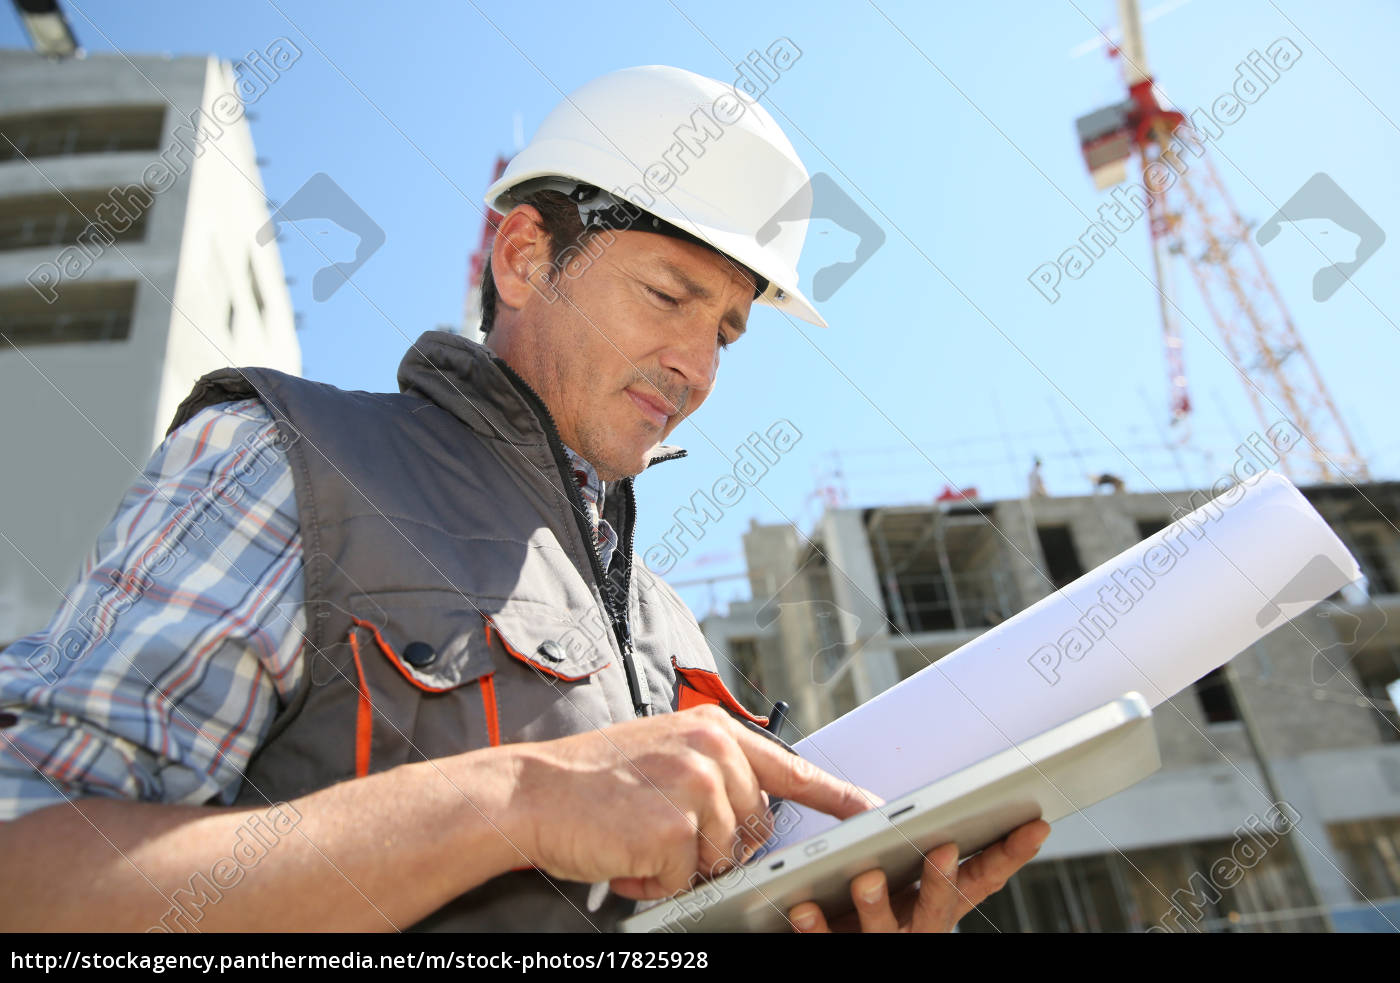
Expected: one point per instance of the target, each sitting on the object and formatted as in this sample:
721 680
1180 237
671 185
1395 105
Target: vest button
419 654
550 650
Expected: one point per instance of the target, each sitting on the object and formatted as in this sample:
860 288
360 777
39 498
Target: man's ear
520 257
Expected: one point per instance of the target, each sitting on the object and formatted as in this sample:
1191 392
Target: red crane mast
1192 218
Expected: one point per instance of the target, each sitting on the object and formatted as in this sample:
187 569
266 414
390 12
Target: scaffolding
941 569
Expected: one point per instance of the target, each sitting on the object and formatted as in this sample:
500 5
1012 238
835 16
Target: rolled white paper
1155 618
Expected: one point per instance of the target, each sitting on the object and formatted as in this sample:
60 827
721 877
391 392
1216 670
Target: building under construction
130 264
876 594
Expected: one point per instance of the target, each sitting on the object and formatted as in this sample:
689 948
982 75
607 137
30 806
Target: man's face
625 343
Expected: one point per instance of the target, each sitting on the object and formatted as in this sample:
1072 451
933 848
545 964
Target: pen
775 723
777 717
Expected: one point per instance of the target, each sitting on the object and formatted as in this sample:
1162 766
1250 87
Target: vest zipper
621 629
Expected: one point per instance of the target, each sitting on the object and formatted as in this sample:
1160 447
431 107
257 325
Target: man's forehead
697 283
689 260
698 271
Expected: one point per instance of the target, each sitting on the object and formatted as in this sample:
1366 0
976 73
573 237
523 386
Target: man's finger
716 831
986 873
746 798
808 919
791 776
938 904
871 895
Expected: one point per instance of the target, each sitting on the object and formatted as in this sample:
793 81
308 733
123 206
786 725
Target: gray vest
454 596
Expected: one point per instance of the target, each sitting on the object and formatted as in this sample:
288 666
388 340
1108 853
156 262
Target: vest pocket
551 678
439 672
424 677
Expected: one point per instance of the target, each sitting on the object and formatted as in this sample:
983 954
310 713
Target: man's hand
650 803
946 893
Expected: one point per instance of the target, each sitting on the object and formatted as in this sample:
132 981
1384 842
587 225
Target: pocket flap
696 687
433 637
442 639
547 639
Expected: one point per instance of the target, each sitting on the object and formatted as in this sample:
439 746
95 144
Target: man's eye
723 341
665 298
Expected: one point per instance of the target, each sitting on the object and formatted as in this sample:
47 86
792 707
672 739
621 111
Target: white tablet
1049 776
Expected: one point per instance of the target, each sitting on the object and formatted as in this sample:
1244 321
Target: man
406 632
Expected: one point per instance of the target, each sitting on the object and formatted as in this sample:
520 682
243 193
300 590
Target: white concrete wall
856 589
83 418
226 206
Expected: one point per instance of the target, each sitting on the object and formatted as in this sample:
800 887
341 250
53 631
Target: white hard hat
689 150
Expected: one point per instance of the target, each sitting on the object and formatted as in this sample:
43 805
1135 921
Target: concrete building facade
130 206
877 594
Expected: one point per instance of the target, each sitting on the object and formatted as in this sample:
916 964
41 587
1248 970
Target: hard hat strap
597 209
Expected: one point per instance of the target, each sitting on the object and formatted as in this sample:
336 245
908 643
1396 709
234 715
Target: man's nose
695 357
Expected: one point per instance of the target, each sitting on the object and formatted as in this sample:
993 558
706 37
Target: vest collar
472 383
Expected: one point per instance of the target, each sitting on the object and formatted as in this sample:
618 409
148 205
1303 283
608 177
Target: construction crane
1193 218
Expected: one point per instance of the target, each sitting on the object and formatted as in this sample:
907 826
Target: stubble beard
594 446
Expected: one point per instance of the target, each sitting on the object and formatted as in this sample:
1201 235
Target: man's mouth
654 408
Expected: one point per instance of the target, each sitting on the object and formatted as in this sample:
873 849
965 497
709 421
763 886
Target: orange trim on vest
488 702
700 686
491 625
364 714
393 657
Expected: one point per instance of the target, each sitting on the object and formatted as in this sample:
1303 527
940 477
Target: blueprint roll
1154 619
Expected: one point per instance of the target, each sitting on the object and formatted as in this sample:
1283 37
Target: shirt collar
586 478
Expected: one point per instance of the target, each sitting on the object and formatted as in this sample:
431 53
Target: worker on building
1036 481
1107 480
366 661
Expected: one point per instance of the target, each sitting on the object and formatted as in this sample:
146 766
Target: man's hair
560 221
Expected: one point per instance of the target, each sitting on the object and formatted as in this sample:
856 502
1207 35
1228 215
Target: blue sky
952 125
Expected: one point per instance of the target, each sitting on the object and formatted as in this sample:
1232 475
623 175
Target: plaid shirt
593 491
161 673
